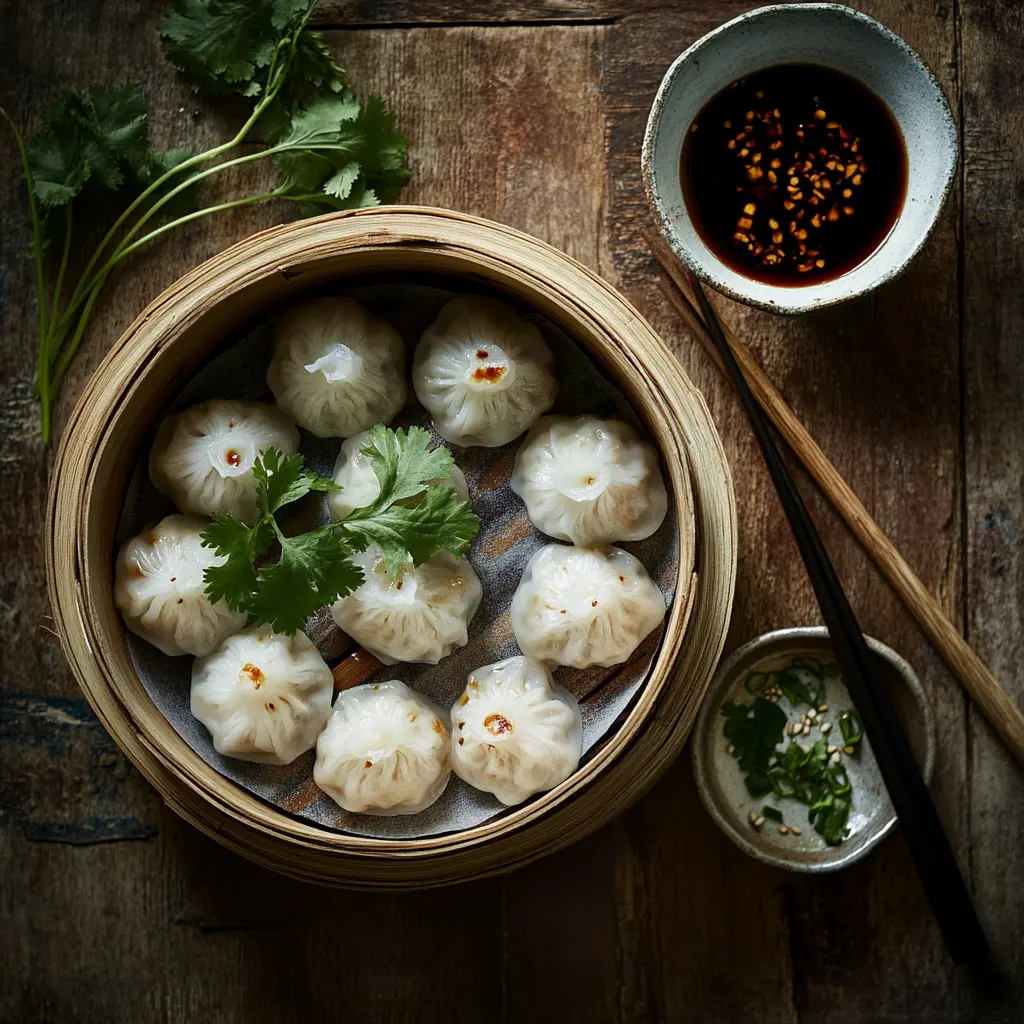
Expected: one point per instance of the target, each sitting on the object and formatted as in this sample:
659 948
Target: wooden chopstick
926 839
982 687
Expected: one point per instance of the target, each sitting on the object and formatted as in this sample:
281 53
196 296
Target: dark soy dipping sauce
795 174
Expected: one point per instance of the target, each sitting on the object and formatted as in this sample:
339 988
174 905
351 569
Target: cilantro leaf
235 580
314 570
95 140
282 479
342 154
117 127
439 522
221 45
403 464
226 46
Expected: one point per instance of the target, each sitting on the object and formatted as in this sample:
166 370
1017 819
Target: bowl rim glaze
707 267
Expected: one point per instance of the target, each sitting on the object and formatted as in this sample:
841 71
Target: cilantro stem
195 215
37 234
59 284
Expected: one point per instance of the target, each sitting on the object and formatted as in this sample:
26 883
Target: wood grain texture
174 928
993 358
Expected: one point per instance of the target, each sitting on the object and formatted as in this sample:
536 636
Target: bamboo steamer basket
199 316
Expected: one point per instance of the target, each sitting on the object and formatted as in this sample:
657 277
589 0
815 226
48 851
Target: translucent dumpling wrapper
584 606
160 591
483 373
385 750
515 732
262 695
590 481
420 614
353 472
337 369
202 458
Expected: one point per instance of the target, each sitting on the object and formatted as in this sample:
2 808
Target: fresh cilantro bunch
410 520
331 149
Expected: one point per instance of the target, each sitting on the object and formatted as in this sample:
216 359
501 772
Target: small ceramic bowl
844 40
720 781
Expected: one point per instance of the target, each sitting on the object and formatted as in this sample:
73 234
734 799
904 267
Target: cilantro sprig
331 149
411 520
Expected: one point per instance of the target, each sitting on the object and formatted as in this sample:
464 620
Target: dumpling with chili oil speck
160 591
202 458
262 695
483 372
515 731
590 481
359 486
337 369
384 751
584 606
419 614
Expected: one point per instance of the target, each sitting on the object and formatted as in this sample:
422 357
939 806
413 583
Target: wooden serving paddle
1001 712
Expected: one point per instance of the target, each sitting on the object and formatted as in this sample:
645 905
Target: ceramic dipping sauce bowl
843 40
720 781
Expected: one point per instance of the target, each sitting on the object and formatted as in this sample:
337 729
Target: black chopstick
929 847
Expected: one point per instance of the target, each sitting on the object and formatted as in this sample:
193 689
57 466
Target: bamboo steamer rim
167 344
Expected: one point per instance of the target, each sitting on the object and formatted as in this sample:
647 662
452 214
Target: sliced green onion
850 727
771 812
756 683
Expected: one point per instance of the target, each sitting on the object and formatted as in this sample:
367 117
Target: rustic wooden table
112 909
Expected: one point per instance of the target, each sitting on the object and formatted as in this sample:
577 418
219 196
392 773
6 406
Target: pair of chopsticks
986 693
929 847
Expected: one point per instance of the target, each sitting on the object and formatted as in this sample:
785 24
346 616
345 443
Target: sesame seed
848 750
795 830
825 726
783 830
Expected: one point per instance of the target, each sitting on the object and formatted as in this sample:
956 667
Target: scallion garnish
812 775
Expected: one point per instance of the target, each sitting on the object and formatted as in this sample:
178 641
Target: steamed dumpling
353 472
515 732
590 481
337 369
385 750
159 589
483 373
584 606
262 695
202 458
422 614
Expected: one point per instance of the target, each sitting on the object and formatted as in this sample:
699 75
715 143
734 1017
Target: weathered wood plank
993 326
338 13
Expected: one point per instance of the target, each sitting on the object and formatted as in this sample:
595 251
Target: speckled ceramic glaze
839 38
720 781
